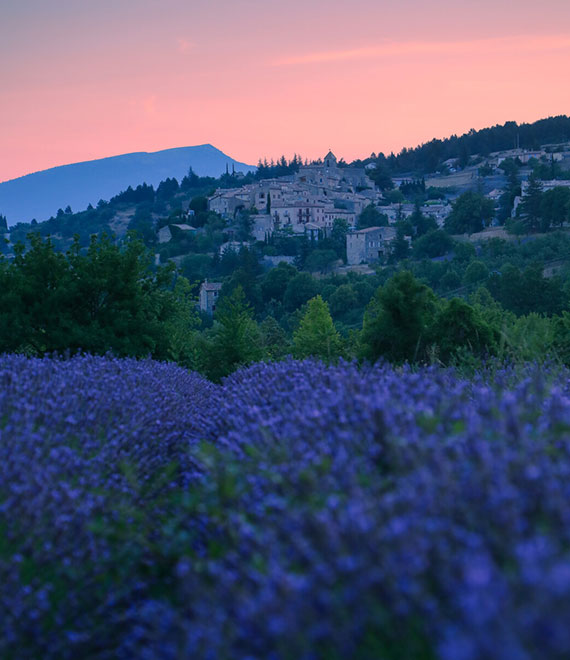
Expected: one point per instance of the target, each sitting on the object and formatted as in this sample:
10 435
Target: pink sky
261 78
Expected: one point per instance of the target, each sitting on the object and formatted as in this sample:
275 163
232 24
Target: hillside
41 194
430 156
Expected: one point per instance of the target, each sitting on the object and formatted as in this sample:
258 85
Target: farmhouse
209 292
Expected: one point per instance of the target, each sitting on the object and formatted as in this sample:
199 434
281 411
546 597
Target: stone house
227 202
263 226
368 245
332 214
209 292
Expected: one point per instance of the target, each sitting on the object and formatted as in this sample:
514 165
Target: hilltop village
458 214
310 201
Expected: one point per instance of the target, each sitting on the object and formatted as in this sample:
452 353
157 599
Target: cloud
523 44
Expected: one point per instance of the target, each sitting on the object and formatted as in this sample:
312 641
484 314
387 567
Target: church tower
330 160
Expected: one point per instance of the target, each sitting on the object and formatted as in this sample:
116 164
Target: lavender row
297 511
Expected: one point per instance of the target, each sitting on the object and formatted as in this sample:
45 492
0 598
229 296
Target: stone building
209 292
368 245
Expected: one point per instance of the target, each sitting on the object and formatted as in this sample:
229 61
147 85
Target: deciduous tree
471 213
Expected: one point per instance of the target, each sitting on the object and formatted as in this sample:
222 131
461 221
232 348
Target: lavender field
297 511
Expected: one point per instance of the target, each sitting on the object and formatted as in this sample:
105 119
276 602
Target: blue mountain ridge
41 194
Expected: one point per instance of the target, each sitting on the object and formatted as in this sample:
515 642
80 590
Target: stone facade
316 194
209 292
368 245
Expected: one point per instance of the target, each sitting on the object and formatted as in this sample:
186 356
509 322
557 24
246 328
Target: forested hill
39 195
429 157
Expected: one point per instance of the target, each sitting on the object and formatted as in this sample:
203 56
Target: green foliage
198 204
338 237
142 225
316 335
343 299
527 291
471 213
429 156
320 260
435 243
413 189
182 325
463 252
458 326
274 284
476 273
371 217
547 170
507 199
490 309
233 341
531 205
485 170
421 223
400 245
276 344
555 207
450 281
381 176
561 337
300 289
107 299
196 267
396 322
532 337
394 196
510 166
245 225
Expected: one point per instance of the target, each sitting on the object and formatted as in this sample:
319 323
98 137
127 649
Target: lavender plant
296 511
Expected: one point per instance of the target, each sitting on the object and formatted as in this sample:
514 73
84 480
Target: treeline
404 322
105 299
283 167
145 203
110 298
429 157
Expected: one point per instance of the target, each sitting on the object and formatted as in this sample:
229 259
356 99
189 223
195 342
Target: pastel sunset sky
85 79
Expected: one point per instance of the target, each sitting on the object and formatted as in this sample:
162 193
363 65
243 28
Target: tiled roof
212 286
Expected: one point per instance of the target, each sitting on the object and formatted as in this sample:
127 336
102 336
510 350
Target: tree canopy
471 213
107 298
316 335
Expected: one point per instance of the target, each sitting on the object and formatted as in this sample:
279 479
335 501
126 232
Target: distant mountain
41 194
